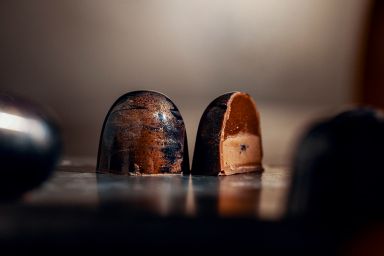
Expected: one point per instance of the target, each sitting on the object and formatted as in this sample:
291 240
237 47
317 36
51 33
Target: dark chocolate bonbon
143 133
30 145
228 140
338 169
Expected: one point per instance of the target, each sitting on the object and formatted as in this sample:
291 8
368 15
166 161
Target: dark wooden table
81 211
259 196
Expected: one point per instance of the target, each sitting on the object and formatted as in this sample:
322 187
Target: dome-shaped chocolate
30 145
228 140
338 169
143 133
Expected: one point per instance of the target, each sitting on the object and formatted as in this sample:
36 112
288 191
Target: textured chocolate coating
143 133
213 129
30 145
338 169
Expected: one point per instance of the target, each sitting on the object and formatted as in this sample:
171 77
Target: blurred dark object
143 133
30 145
338 171
369 241
372 83
228 140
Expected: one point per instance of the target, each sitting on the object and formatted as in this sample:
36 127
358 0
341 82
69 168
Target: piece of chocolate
143 133
338 169
228 139
30 145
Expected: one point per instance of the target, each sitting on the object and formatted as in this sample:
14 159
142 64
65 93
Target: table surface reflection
74 183
78 210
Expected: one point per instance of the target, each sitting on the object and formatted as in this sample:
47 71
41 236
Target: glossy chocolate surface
228 115
143 133
30 144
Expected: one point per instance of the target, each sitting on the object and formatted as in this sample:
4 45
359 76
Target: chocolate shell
143 133
229 138
30 145
338 169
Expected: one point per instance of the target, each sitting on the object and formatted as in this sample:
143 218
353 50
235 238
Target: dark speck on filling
243 148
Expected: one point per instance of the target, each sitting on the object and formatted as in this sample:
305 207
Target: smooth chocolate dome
143 133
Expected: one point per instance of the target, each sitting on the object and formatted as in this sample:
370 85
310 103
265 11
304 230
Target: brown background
297 58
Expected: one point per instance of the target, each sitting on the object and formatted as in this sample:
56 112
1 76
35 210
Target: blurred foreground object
229 138
30 145
338 170
143 133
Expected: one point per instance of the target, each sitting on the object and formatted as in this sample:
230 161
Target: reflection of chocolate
143 133
338 169
151 194
239 195
229 138
30 144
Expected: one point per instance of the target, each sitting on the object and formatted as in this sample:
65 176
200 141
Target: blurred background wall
297 58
